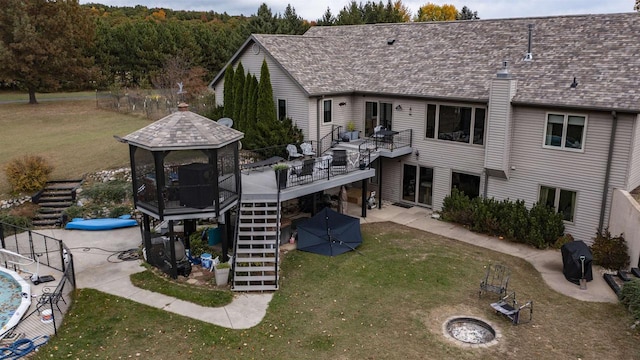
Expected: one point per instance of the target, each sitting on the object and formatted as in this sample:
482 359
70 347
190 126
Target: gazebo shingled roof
183 130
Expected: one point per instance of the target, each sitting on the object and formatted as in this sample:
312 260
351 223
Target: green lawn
74 136
389 302
21 96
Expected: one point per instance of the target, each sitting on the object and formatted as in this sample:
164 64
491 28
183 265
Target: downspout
607 175
318 121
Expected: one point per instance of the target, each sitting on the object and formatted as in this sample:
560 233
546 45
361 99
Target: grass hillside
74 136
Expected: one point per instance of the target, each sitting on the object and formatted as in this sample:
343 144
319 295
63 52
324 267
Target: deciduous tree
45 44
433 12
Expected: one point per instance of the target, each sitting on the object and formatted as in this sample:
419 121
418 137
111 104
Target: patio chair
376 132
51 296
307 149
306 169
495 280
339 161
293 152
508 306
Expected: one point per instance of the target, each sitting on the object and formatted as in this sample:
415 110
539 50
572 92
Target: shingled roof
183 130
457 60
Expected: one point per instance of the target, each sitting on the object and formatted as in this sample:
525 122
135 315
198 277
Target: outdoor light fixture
399 107
342 104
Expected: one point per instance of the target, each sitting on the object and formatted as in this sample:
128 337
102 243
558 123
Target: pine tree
238 82
268 127
228 92
244 119
251 109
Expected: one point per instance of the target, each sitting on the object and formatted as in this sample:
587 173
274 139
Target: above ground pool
15 299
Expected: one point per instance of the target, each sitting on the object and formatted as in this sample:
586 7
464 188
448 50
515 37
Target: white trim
323 122
564 131
556 201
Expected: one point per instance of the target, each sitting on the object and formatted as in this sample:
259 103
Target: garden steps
53 200
257 245
616 281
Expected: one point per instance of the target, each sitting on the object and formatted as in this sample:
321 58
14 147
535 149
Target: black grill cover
571 264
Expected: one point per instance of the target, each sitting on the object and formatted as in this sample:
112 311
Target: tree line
47 46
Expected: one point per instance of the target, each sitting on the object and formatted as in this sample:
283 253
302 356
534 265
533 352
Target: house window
327 106
565 131
282 109
468 184
456 123
564 201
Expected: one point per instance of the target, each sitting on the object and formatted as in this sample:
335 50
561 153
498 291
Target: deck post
364 198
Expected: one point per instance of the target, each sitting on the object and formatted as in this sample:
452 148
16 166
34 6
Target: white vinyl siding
584 172
283 87
634 162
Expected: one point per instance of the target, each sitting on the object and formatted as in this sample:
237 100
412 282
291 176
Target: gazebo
184 167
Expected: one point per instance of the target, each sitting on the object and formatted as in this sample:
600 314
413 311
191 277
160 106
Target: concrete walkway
96 269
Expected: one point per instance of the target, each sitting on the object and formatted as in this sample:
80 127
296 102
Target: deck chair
376 132
508 306
293 152
339 161
306 169
495 280
307 149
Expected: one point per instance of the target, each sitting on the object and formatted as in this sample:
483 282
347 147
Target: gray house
539 109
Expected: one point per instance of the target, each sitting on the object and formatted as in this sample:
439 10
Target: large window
282 109
468 184
564 201
373 118
327 111
456 123
565 131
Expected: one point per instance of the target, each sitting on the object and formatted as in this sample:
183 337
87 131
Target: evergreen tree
291 23
228 92
252 100
238 98
244 119
328 19
268 128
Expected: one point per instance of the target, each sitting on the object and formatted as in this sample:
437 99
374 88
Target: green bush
120 210
545 226
630 297
609 251
197 246
28 174
540 227
566 238
18 221
457 208
116 191
74 211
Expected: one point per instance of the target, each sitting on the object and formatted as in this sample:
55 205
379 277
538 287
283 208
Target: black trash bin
572 253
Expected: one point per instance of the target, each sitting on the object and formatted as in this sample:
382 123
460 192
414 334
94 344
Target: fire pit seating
508 306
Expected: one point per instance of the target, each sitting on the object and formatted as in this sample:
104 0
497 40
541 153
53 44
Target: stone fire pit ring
470 331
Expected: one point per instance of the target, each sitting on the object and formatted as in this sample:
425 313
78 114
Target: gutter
607 175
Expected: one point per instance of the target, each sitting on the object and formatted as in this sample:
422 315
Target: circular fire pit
470 331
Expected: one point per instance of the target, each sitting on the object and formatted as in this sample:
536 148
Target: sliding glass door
417 184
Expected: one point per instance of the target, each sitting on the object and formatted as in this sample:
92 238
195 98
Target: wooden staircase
256 247
54 199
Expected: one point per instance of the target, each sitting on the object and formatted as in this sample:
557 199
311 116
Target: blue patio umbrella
329 233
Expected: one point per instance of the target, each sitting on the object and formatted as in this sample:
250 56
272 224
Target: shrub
457 208
28 174
609 251
74 211
545 226
485 215
115 191
120 210
197 245
630 297
513 220
566 238
17 221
